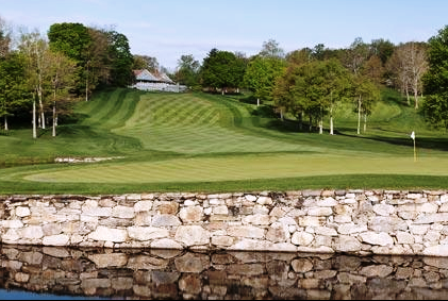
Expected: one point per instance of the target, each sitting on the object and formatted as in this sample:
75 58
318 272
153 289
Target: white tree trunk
258 102
416 98
44 126
365 122
34 120
6 123
359 115
407 95
54 119
321 127
40 93
281 114
331 126
331 121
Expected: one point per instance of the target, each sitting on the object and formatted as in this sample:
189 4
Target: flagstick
415 152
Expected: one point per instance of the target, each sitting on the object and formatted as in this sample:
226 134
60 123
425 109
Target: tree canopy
436 80
222 69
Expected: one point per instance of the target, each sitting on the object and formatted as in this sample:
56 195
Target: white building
147 81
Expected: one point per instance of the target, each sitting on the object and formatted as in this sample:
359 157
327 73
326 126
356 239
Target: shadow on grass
437 144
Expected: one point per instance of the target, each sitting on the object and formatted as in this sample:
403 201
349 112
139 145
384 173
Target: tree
222 70
261 75
188 71
336 84
314 89
356 56
272 49
417 67
374 70
299 57
146 62
13 90
122 60
383 49
33 46
365 94
291 93
396 66
409 64
60 73
5 38
436 80
97 65
76 41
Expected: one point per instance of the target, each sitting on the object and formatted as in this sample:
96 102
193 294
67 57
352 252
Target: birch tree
34 48
417 67
60 73
336 84
365 93
409 64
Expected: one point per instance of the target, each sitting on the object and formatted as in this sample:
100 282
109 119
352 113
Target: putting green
242 168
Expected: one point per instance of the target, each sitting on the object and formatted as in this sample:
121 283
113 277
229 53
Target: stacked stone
155 274
357 222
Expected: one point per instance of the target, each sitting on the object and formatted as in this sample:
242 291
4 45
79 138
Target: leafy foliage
436 80
222 69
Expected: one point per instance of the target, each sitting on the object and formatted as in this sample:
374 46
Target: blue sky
168 29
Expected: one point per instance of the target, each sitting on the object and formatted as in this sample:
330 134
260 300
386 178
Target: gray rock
107 234
349 229
387 225
377 271
192 263
192 214
376 239
147 233
432 218
419 229
384 210
191 236
302 265
165 221
328 202
324 231
143 206
347 244
320 211
222 241
23 211
439 251
32 232
246 232
428 208
405 238
56 240
302 239
166 244
123 212
114 260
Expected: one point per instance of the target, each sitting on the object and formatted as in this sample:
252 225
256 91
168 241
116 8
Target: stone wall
180 275
355 222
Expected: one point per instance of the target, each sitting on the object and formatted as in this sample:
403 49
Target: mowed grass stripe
192 125
243 168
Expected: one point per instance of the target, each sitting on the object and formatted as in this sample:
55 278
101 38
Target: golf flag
413 136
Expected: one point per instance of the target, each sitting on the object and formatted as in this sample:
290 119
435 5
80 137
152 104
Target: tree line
42 75
309 82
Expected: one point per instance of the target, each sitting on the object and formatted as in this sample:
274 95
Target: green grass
199 142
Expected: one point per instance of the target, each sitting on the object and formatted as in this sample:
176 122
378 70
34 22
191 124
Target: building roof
158 77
